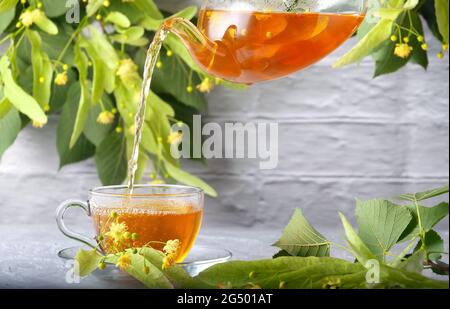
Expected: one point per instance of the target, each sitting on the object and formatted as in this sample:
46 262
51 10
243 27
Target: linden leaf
442 18
381 223
430 217
421 196
299 238
360 250
17 96
87 261
434 246
295 272
366 45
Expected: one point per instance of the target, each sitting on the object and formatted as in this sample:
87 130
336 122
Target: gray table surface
28 254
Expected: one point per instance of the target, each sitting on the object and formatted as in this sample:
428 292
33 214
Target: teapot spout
214 57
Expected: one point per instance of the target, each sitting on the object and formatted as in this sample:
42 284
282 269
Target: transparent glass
249 41
157 213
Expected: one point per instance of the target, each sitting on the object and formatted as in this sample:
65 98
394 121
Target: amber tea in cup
154 214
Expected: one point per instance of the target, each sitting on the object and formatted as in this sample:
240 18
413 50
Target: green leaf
54 8
81 63
399 278
415 262
83 149
155 278
94 131
5 106
10 126
42 69
377 35
176 274
6 18
118 19
434 246
149 8
381 223
104 48
6 5
419 55
25 103
421 196
295 272
45 24
430 217
299 238
188 179
442 18
87 261
93 6
410 4
111 159
428 12
103 77
360 250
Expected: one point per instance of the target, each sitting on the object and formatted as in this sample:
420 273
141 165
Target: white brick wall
342 135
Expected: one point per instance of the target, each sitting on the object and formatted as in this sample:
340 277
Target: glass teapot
249 41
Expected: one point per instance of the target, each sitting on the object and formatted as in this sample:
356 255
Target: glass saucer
199 259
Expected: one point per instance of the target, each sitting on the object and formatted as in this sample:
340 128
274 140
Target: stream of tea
150 63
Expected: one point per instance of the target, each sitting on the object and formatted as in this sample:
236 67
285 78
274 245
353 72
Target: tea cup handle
60 213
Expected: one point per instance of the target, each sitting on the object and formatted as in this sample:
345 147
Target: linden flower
172 247
38 125
116 231
123 262
206 86
128 72
61 79
105 117
175 138
332 283
171 250
29 17
403 50
168 261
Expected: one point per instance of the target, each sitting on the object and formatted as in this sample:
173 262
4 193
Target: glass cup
151 216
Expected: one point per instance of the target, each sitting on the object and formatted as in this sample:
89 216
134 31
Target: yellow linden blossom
38 125
124 261
116 231
29 17
206 86
332 283
403 50
61 79
171 250
175 138
105 117
128 72
172 247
